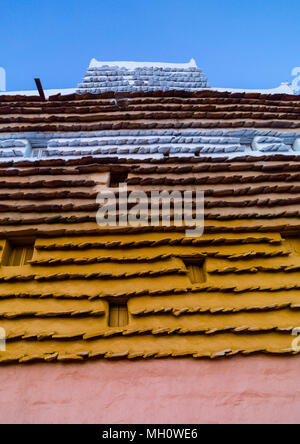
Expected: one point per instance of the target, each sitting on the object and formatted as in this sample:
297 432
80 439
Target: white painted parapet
142 76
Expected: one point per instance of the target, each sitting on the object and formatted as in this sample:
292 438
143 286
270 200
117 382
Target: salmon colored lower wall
256 389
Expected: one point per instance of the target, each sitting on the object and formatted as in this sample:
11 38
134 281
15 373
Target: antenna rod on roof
40 89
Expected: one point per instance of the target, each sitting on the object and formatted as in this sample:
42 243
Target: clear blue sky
237 43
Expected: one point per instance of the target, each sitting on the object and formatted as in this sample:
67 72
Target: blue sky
237 43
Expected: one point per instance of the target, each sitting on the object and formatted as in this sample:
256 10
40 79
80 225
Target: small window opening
117 177
195 270
118 314
18 253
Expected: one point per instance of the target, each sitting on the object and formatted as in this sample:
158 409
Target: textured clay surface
256 389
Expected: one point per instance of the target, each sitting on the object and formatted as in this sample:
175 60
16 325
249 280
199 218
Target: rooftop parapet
142 76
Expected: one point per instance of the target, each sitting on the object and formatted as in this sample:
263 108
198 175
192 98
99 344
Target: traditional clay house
73 291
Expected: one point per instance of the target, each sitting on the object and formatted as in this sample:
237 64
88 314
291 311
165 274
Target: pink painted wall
253 389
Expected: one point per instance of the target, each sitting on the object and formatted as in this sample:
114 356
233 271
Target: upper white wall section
14 149
149 144
142 76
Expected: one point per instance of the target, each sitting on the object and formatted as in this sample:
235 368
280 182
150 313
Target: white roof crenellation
133 65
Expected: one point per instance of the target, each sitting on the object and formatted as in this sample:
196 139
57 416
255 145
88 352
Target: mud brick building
127 320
